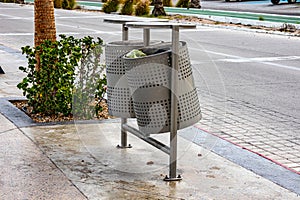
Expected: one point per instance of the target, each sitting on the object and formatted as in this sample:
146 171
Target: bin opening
138 53
156 50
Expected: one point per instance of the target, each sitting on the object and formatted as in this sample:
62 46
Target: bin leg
124 32
174 109
146 36
1 70
123 136
124 120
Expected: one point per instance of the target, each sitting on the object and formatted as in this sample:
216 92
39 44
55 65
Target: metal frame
174 108
172 150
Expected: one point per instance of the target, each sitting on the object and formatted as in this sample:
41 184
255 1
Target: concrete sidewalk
81 161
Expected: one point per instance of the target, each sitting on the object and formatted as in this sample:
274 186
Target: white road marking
64 33
14 17
15 34
91 30
282 66
263 60
79 17
77 27
202 29
260 59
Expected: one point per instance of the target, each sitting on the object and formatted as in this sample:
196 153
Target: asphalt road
257 68
231 67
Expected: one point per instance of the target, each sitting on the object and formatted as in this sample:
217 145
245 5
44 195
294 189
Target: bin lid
159 25
125 19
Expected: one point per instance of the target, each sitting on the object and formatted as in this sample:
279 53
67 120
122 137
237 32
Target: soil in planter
41 118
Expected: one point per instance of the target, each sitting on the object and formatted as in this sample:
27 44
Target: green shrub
111 6
261 18
167 3
127 8
65 4
72 4
142 8
57 3
69 72
100 91
182 4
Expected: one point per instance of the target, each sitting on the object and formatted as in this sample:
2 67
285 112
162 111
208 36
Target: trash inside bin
118 95
149 82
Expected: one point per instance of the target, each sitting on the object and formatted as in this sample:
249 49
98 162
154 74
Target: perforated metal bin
118 95
149 83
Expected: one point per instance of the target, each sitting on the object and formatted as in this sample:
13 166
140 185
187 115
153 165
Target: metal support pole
1 70
123 135
174 108
124 120
124 33
146 37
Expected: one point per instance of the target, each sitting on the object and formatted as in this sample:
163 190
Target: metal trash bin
149 83
118 95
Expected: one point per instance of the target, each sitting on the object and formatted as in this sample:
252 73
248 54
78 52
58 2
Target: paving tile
296 159
292 165
258 131
296 168
285 162
276 157
290 156
5 125
272 149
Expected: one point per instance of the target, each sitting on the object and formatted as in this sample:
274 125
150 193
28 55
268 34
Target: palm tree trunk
44 23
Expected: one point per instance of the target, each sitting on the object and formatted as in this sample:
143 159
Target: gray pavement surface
79 161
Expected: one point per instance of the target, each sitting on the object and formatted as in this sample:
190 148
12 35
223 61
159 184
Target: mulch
42 118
